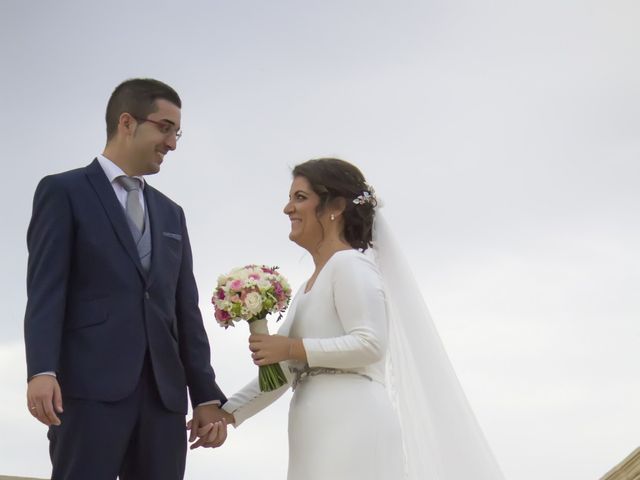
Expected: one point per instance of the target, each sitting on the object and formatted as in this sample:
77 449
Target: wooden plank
628 469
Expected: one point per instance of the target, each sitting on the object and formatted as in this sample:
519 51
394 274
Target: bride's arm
360 303
249 400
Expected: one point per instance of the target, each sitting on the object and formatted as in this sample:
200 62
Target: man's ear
126 123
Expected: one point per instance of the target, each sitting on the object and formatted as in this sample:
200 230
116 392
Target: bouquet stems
270 377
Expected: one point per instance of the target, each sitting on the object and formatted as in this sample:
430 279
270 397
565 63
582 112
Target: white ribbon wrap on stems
270 377
259 327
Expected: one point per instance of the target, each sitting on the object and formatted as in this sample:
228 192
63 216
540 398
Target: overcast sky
502 136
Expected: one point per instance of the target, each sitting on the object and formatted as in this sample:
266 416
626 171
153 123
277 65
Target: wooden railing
4 477
628 469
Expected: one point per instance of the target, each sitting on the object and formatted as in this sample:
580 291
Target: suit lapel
114 210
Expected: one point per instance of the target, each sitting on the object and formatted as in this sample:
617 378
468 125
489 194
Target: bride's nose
288 209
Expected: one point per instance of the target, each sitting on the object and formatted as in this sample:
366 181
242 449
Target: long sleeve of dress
249 400
360 305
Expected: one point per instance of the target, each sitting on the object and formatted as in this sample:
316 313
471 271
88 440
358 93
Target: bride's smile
301 210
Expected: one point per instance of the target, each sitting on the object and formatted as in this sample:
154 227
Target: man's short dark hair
137 97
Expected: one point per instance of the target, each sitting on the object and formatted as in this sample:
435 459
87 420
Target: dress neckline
307 290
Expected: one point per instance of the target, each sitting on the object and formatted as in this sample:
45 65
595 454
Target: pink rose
222 316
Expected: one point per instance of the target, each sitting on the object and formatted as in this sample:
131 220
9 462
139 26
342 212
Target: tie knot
129 183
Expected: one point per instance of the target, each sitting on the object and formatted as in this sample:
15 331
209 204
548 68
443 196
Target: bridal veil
441 436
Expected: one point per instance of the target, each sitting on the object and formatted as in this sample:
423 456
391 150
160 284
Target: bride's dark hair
332 178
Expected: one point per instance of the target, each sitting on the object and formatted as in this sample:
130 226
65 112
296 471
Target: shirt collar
113 171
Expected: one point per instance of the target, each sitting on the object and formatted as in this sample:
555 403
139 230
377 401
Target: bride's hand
208 426
269 349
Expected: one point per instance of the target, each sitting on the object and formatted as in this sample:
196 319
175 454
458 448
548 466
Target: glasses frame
162 124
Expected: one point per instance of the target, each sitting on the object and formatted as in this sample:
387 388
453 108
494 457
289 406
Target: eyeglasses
165 127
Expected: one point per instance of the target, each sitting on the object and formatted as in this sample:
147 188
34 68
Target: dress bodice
342 321
342 318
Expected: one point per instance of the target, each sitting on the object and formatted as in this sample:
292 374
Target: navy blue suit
110 330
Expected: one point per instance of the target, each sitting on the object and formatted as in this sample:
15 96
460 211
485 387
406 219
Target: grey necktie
134 207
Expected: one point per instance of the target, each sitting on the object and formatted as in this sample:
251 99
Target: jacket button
146 295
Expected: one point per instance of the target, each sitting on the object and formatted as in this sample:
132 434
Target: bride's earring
332 217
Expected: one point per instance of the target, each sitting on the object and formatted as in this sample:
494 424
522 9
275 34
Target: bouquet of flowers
250 293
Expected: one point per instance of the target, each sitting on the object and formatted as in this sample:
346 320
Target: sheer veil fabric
441 436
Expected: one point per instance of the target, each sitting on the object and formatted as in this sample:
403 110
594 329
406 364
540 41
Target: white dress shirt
112 171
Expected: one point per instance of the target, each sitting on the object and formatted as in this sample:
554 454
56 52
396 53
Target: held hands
208 426
44 399
270 349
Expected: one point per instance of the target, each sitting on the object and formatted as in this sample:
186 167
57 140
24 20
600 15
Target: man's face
151 141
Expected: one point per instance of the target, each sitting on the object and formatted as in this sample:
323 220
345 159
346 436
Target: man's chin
153 168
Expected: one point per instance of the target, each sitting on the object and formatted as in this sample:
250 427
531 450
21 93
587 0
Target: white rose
253 302
264 284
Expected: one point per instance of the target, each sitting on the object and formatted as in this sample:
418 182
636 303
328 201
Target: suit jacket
93 313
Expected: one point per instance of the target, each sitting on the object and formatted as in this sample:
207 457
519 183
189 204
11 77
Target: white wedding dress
379 398
342 425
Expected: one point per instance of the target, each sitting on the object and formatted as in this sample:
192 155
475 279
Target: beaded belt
299 374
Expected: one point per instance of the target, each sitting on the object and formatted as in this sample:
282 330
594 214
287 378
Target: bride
375 396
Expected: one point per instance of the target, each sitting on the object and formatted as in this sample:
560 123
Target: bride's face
306 229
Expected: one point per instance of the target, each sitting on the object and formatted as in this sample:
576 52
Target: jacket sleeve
194 345
50 240
360 304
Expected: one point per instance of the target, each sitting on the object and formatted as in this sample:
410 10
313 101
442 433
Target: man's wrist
51 374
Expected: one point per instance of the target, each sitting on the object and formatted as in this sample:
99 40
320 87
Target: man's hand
44 399
209 426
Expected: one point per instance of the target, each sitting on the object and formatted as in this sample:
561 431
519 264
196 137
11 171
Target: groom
113 332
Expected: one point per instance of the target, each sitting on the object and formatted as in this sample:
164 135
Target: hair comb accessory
367 196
